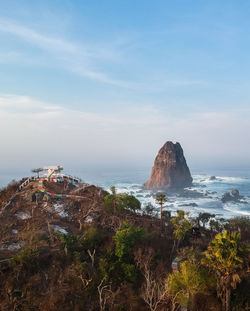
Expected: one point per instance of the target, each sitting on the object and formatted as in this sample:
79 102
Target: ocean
204 196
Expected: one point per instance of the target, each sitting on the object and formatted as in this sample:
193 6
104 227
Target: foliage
194 255
79 262
7 192
204 218
118 262
129 271
92 236
215 225
125 239
182 227
112 268
110 201
69 242
128 202
225 256
166 215
121 202
190 280
113 190
225 252
25 255
161 198
240 224
149 209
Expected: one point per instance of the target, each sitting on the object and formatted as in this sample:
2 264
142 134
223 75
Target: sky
107 83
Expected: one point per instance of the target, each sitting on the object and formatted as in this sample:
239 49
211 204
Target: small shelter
176 264
52 170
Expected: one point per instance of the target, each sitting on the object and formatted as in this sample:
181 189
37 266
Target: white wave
210 201
206 179
232 179
230 208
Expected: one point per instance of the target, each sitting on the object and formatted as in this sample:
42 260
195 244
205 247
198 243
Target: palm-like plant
188 281
225 256
161 199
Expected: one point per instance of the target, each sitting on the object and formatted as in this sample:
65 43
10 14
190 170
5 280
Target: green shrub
121 202
92 237
25 258
240 224
190 280
126 238
118 263
69 241
182 227
204 218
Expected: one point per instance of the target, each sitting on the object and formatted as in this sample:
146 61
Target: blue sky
111 81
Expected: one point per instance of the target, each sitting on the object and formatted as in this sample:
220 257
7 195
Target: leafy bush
26 258
225 252
121 202
126 238
182 227
69 242
118 263
190 280
92 237
215 225
240 224
204 218
225 256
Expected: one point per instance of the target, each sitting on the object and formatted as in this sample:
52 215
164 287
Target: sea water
204 196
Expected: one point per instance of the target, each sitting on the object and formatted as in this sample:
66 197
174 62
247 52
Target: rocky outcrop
233 197
170 170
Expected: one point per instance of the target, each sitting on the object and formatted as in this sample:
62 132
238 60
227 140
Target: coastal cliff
170 170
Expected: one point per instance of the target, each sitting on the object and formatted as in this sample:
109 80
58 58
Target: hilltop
73 246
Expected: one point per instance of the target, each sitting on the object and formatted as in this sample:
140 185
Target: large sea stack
170 170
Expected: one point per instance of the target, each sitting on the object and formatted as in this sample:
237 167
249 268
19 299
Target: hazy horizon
87 84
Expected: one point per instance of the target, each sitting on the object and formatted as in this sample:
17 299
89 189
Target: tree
127 202
190 280
161 198
118 262
215 225
149 209
113 190
121 202
182 227
125 239
204 218
241 224
225 256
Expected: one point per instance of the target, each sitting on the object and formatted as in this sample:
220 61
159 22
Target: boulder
236 193
170 170
212 178
235 197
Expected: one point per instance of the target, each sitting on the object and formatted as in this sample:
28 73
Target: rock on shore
170 170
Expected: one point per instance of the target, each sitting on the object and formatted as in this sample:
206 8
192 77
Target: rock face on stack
170 170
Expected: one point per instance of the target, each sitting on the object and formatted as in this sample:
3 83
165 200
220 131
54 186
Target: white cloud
82 59
46 42
76 58
30 129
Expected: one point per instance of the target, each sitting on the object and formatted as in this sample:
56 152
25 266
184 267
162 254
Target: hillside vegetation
97 250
